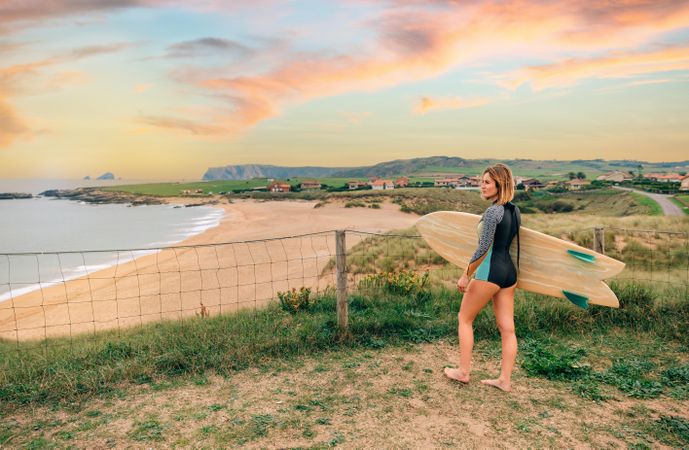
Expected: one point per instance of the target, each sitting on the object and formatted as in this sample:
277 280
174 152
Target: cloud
206 46
411 40
18 14
612 65
415 41
11 126
142 87
93 50
427 104
20 79
180 125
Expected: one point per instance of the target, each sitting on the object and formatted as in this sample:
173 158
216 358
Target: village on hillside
574 182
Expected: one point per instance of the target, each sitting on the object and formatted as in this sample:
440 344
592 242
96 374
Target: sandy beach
238 264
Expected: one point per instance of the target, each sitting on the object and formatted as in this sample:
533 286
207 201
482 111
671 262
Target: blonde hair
502 175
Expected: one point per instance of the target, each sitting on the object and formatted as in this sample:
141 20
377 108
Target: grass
654 209
217 186
682 201
296 381
72 371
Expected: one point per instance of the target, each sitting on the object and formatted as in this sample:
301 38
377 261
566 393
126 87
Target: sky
164 89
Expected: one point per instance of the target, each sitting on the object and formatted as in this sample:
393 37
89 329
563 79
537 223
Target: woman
495 276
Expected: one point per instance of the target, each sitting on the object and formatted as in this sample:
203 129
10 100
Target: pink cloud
416 42
11 126
21 79
613 65
180 124
427 104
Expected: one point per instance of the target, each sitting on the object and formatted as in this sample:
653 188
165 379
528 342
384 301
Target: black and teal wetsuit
491 261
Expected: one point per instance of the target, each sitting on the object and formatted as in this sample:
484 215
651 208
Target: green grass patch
654 209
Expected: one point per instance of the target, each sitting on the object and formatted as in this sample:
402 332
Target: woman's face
488 188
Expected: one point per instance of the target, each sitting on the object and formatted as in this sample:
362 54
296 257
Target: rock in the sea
14 195
87 177
94 195
107 176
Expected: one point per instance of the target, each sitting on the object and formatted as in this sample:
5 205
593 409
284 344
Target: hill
250 171
443 165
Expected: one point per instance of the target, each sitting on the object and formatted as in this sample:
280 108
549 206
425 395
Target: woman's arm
491 219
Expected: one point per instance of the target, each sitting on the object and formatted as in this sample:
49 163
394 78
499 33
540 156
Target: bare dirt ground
391 398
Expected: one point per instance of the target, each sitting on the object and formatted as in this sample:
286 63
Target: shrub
399 283
294 301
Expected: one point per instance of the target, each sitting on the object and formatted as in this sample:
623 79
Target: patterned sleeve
491 218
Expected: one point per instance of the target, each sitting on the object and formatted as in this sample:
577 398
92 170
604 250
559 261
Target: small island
14 196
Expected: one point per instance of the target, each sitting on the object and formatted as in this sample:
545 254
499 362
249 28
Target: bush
294 301
398 283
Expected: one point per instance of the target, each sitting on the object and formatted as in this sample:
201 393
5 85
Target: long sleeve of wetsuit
491 218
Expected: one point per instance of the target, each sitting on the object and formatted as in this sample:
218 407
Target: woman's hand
462 283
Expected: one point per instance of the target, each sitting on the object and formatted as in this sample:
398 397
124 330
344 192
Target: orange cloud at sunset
615 64
427 104
414 43
11 127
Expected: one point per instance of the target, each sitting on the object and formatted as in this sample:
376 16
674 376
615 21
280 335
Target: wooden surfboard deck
547 265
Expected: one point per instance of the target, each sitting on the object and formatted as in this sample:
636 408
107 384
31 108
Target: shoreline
196 227
215 271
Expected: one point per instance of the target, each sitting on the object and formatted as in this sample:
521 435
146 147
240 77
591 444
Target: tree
572 175
581 175
640 169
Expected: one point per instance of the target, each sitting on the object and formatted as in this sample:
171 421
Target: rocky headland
98 196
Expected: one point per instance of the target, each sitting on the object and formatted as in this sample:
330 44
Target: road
669 208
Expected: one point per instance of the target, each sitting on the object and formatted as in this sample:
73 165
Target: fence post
599 240
341 264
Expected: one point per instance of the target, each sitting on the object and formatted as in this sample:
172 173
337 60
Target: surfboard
547 265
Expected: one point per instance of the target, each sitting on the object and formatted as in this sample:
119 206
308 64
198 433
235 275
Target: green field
215 187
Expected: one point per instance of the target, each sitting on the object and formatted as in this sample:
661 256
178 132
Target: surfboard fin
580 300
582 256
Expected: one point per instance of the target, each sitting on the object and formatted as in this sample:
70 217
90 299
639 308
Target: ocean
44 241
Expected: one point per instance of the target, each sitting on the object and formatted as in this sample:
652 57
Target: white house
380 185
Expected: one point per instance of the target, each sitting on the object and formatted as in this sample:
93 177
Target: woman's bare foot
498 383
456 374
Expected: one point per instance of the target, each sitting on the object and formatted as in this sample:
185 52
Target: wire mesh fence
68 294
48 299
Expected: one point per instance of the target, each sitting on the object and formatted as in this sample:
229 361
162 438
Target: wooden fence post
599 240
341 264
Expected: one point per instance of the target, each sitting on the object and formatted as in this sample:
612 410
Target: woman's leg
478 293
503 306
